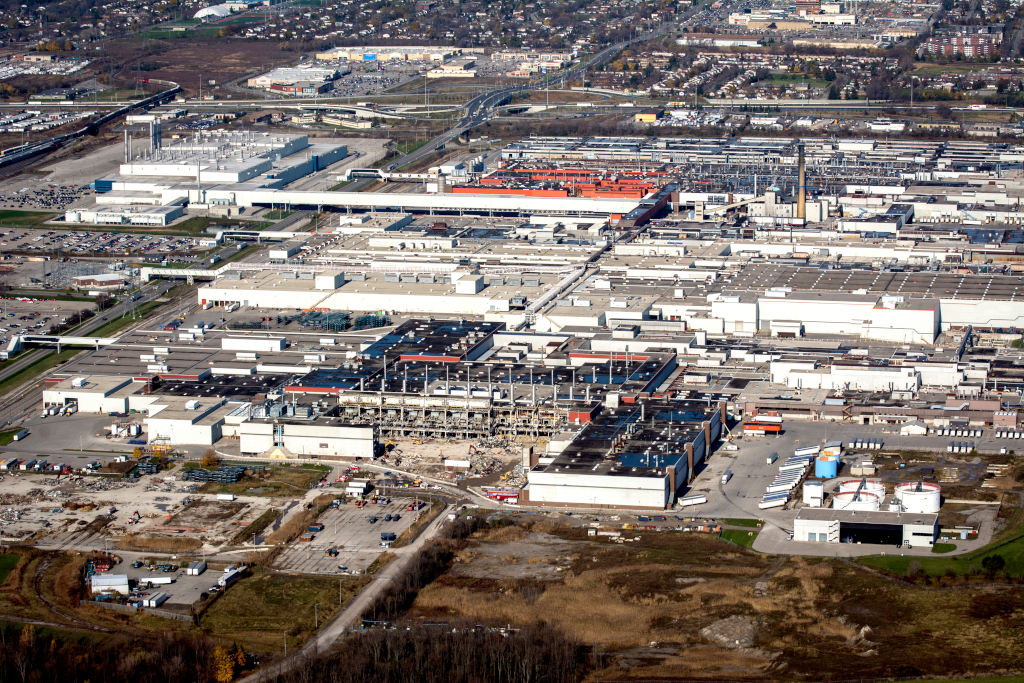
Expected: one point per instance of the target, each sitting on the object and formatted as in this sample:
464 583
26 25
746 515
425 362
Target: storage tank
919 496
873 486
814 493
851 500
826 467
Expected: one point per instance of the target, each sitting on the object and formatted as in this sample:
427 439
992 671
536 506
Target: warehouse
320 437
94 394
177 420
102 281
289 75
826 525
109 583
631 456
125 215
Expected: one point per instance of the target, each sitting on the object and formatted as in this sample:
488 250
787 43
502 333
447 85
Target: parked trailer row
1008 435
960 447
955 431
866 444
772 503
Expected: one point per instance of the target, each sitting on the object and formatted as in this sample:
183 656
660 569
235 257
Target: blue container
826 467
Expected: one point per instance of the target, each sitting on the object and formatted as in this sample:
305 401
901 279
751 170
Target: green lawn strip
1011 550
120 323
7 436
43 294
278 214
410 147
255 527
740 537
754 523
47 362
940 548
341 185
243 252
7 563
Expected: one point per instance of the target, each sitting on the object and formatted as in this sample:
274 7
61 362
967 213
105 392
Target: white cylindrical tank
814 493
870 486
918 496
849 500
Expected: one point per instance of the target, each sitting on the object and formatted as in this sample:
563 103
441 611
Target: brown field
185 62
676 605
158 543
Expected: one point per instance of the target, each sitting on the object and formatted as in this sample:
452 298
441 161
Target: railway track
45 564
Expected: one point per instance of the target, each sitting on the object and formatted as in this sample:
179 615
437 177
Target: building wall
567 489
88 401
823 531
182 432
826 316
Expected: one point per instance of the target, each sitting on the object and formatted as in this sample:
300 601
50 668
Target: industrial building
629 456
309 73
823 525
386 54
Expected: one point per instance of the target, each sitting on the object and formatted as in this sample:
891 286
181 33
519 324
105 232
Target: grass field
23 219
1011 550
257 611
740 537
7 563
6 437
255 527
274 482
940 548
732 521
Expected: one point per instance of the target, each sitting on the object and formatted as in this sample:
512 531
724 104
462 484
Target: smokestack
801 197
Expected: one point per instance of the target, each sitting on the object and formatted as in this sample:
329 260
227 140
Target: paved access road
349 616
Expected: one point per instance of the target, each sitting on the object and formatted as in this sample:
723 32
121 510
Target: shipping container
155 600
225 496
772 458
806 450
229 577
775 503
196 568
693 500
726 476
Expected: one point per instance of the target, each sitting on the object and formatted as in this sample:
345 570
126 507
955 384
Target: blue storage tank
826 467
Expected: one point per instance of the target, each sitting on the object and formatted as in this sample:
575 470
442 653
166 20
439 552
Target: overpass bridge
19 341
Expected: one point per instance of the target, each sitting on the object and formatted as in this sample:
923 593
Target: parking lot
185 590
348 530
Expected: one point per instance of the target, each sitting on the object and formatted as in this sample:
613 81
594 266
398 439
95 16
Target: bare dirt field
533 556
688 605
203 514
186 62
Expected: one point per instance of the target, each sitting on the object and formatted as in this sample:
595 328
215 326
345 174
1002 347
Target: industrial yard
715 407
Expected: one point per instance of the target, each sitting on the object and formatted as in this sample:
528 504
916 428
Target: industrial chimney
801 196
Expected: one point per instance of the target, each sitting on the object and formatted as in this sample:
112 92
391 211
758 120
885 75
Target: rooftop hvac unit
192 405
